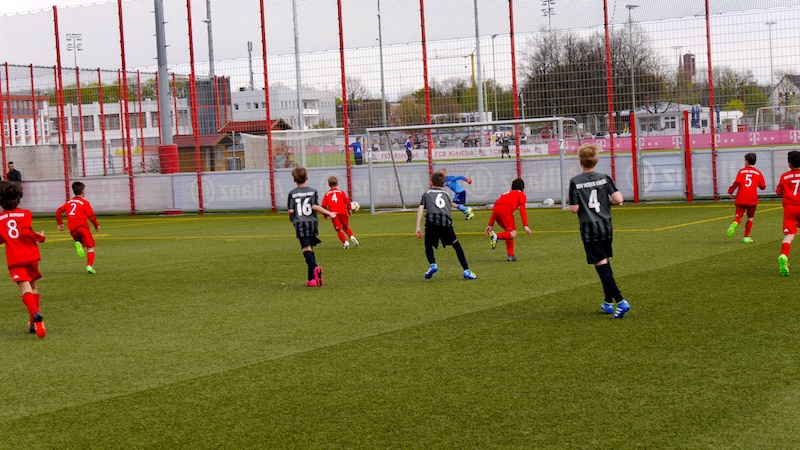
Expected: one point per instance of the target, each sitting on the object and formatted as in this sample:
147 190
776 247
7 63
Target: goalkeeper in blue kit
459 193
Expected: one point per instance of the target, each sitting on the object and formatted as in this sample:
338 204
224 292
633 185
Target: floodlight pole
481 116
495 116
163 76
771 72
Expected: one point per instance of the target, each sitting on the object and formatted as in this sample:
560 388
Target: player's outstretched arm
528 230
488 230
616 198
324 211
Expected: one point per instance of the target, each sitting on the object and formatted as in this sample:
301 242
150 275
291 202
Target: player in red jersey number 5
747 181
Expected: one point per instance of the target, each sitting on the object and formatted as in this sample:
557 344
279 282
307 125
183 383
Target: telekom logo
754 138
794 135
676 141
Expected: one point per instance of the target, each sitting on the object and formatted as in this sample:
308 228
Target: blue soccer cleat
431 270
469 275
607 308
622 308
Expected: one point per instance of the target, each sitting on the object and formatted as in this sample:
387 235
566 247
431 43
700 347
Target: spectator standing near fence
591 195
13 174
789 189
747 181
358 151
409 146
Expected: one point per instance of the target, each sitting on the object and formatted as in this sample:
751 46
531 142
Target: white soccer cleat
355 241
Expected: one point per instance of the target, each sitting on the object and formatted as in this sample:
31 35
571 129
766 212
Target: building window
154 119
183 118
670 122
236 106
111 121
88 123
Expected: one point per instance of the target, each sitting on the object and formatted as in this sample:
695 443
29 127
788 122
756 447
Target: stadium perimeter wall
662 177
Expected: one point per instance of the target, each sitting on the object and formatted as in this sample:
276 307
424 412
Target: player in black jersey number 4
591 195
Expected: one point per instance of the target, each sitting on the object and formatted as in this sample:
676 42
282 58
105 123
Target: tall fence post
514 87
268 116
687 153
62 131
711 105
609 91
126 116
427 87
2 128
194 111
634 159
345 115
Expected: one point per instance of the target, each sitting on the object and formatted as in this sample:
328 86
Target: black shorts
436 233
307 241
597 251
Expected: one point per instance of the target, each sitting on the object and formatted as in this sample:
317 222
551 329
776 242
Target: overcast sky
740 40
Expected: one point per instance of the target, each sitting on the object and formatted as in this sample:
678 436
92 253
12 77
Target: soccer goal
292 148
489 154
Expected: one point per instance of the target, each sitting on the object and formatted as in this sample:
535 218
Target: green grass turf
199 332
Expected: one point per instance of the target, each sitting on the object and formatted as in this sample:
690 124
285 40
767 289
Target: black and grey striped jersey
301 200
591 191
438 207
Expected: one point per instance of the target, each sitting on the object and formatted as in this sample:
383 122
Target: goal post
490 154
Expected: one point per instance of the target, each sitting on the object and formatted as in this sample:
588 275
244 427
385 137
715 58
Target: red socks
90 258
747 227
510 247
505 235
31 302
786 248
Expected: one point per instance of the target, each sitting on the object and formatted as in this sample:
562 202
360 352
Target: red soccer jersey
789 187
747 181
508 202
21 241
78 211
336 201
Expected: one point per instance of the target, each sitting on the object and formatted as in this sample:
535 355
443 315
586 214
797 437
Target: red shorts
341 222
29 272
83 235
742 209
791 217
505 219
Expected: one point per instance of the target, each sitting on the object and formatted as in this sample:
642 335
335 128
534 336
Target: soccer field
199 332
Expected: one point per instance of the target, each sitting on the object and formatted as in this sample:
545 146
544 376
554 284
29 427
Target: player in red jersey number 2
78 211
337 201
22 251
747 181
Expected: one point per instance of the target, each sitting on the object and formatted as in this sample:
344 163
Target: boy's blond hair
588 155
333 182
300 175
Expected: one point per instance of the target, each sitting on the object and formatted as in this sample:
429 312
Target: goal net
292 148
490 154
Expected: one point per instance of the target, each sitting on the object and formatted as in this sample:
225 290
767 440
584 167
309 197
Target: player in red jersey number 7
789 189
336 200
22 251
747 181
78 211
503 213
